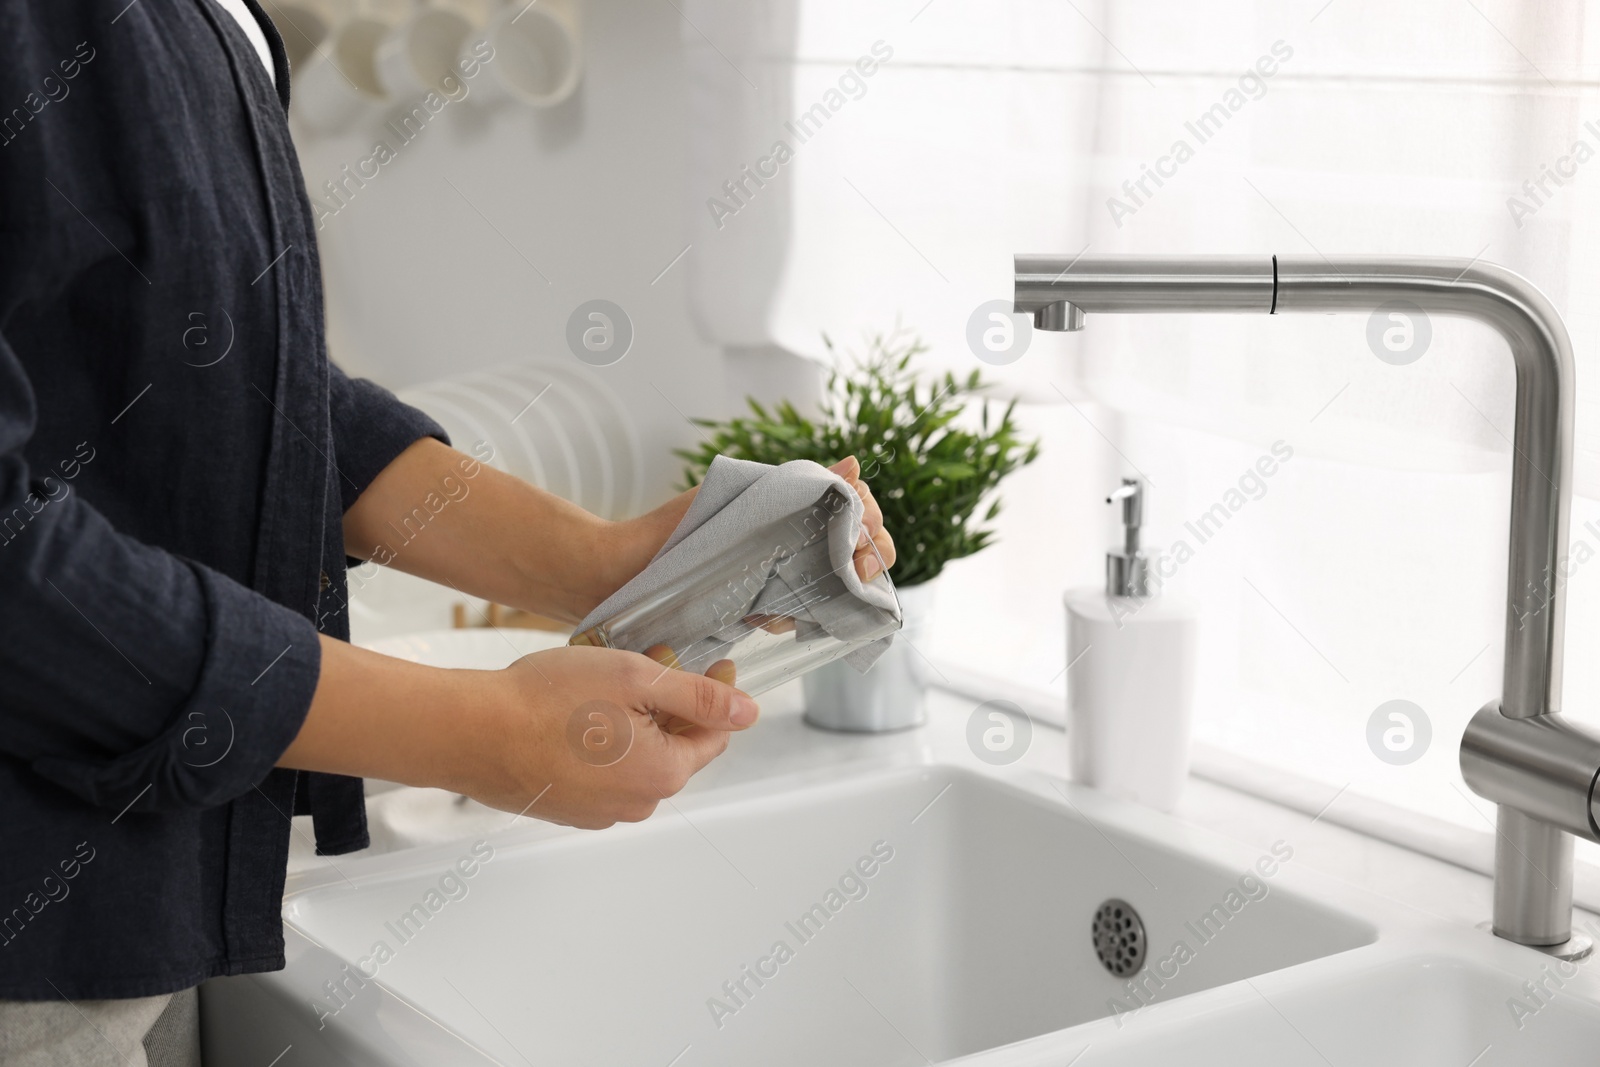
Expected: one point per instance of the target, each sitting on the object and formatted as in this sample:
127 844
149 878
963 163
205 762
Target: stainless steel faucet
1518 751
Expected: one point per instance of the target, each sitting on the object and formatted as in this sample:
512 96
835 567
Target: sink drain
1119 937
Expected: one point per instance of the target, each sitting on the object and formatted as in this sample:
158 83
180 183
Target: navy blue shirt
176 453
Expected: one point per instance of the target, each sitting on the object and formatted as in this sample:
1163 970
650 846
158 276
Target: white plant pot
890 696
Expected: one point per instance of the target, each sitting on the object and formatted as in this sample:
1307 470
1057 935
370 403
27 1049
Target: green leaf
931 450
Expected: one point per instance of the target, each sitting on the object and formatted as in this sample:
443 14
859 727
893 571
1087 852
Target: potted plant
930 470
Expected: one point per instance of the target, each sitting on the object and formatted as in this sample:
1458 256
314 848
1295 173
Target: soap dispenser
1131 672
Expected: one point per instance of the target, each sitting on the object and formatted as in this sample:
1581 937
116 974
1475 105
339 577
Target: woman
182 476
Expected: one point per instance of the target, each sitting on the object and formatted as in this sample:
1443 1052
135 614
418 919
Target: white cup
421 54
538 57
339 81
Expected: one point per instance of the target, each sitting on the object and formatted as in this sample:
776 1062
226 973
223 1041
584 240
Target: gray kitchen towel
738 499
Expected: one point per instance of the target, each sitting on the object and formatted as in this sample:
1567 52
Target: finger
695 746
663 655
880 537
873 559
864 551
847 468
700 700
871 513
773 624
885 545
724 671
670 724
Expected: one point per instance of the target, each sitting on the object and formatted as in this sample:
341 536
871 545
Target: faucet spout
1089 285
1060 317
1505 759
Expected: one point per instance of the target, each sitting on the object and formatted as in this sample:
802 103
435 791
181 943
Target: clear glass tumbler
782 601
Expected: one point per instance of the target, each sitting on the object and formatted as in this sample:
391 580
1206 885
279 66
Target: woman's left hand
871 523
633 543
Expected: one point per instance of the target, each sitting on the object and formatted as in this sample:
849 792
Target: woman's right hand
585 737
595 736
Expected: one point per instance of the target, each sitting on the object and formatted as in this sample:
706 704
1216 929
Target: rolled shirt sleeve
143 680
133 677
257 669
371 427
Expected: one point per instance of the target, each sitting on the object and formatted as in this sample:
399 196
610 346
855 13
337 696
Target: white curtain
1384 128
1372 566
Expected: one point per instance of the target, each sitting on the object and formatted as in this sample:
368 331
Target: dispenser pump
1130 704
1127 571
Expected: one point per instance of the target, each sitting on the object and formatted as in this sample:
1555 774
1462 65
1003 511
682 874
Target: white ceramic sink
1430 1008
900 916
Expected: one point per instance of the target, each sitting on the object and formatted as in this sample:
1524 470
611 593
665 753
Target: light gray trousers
159 1031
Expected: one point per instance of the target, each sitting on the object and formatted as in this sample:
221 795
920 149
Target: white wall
421 285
